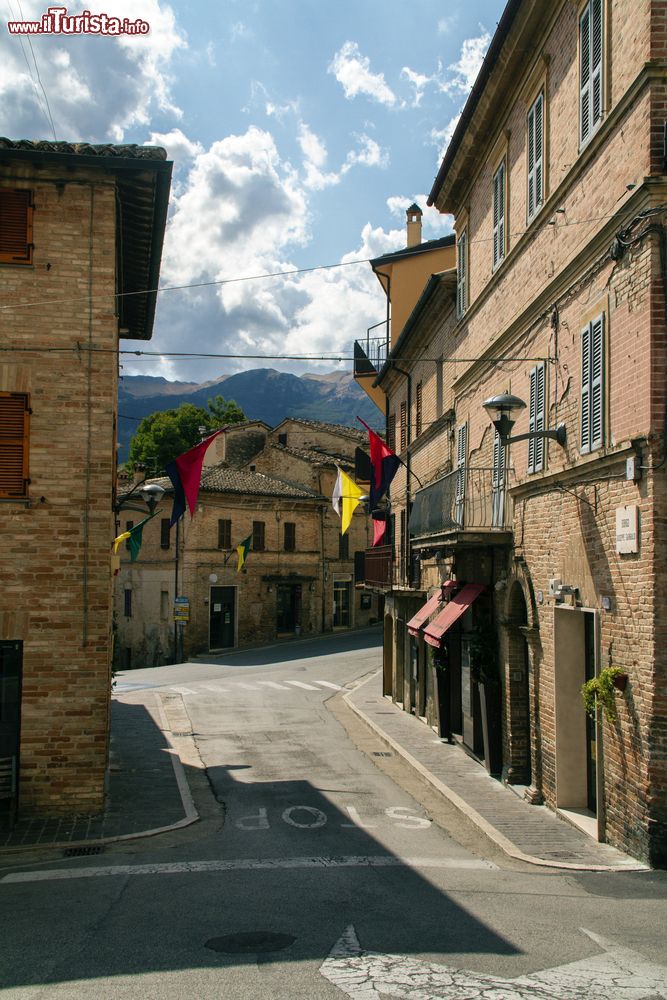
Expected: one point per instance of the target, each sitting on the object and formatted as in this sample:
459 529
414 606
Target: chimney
139 474
414 214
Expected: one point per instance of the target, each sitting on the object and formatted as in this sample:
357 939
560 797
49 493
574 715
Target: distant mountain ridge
262 393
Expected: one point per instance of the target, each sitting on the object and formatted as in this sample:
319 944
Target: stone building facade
79 225
555 178
301 577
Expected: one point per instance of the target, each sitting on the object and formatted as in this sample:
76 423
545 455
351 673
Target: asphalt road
319 869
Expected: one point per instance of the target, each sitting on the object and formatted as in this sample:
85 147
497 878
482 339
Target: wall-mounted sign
182 609
627 529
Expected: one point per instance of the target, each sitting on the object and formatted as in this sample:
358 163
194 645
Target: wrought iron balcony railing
468 499
370 355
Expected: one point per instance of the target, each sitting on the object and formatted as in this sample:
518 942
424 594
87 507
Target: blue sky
300 133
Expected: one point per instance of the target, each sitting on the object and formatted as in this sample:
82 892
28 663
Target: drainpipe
408 439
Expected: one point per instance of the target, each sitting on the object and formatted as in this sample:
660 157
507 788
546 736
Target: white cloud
442 137
179 147
352 70
465 70
369 154
419 81
101 87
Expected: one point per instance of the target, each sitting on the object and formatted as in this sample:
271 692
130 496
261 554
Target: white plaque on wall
627 529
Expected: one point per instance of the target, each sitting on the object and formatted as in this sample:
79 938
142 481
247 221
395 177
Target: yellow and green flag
135 536
243 548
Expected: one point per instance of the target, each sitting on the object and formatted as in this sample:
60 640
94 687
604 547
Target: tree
164 435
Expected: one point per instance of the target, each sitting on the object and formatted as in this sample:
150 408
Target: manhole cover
82 852
250 942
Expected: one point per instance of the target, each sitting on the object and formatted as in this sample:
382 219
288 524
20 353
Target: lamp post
504 405
150 493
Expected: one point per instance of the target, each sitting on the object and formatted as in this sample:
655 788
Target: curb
491 832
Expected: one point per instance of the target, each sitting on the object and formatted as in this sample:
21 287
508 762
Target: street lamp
150 493
504 405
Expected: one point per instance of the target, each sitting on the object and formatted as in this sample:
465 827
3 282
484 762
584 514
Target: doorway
221 621
11 664
575 660
341 593
288 607
519 764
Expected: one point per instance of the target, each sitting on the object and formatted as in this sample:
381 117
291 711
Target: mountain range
262 393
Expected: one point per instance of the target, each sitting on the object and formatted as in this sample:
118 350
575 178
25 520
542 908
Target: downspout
408 438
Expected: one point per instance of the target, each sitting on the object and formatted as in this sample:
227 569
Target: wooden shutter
258 536
14 439
461 452
537 417
498 463
419 394
499 215
404 426
597 383
165 532
290 536
535 156
462 274
224 533
591 68
585 421
15 226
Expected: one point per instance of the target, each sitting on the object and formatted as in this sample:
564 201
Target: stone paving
528 832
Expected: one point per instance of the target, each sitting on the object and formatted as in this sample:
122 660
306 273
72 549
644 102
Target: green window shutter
585 422
597 383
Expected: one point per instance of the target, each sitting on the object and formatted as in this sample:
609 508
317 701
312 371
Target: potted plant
601 690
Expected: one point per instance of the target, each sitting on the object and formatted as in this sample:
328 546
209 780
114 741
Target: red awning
451 613
424 613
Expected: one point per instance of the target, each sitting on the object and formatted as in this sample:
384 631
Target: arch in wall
518 751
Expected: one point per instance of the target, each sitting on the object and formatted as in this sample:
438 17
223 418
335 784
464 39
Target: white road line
328 684
250 864
215 688
274 684
242 684
182 690
300 684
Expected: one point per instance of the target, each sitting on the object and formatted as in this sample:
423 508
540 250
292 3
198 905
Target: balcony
370 355
468 506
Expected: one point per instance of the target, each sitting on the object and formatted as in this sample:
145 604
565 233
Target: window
461 454
590 69
498 483
282 439
499 201
224 533
128 603
128 527
462 273
592 385
535 127
165 529
537 417
15 226
391 432
404 426
14 431
164 604
289 536
418 409
343 547
258 536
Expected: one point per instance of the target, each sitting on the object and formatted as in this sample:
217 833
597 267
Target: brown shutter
14 430
15 226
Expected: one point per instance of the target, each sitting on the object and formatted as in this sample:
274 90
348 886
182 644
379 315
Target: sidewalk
147 790
530 833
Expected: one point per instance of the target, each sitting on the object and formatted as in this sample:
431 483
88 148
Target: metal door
221 617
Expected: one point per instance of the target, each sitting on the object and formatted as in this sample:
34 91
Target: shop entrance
575 649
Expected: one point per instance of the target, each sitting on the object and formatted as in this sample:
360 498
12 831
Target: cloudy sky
300 132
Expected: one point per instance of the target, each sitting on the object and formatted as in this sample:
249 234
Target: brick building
301 575
79 224
555 177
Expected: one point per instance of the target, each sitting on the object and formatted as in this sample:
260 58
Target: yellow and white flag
345 499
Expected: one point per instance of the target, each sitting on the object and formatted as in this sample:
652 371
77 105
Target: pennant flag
379 528
185 474
135 536
384 465
243 548
346 498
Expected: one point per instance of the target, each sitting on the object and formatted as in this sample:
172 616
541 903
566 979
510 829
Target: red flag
185 474
379 528
384 463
